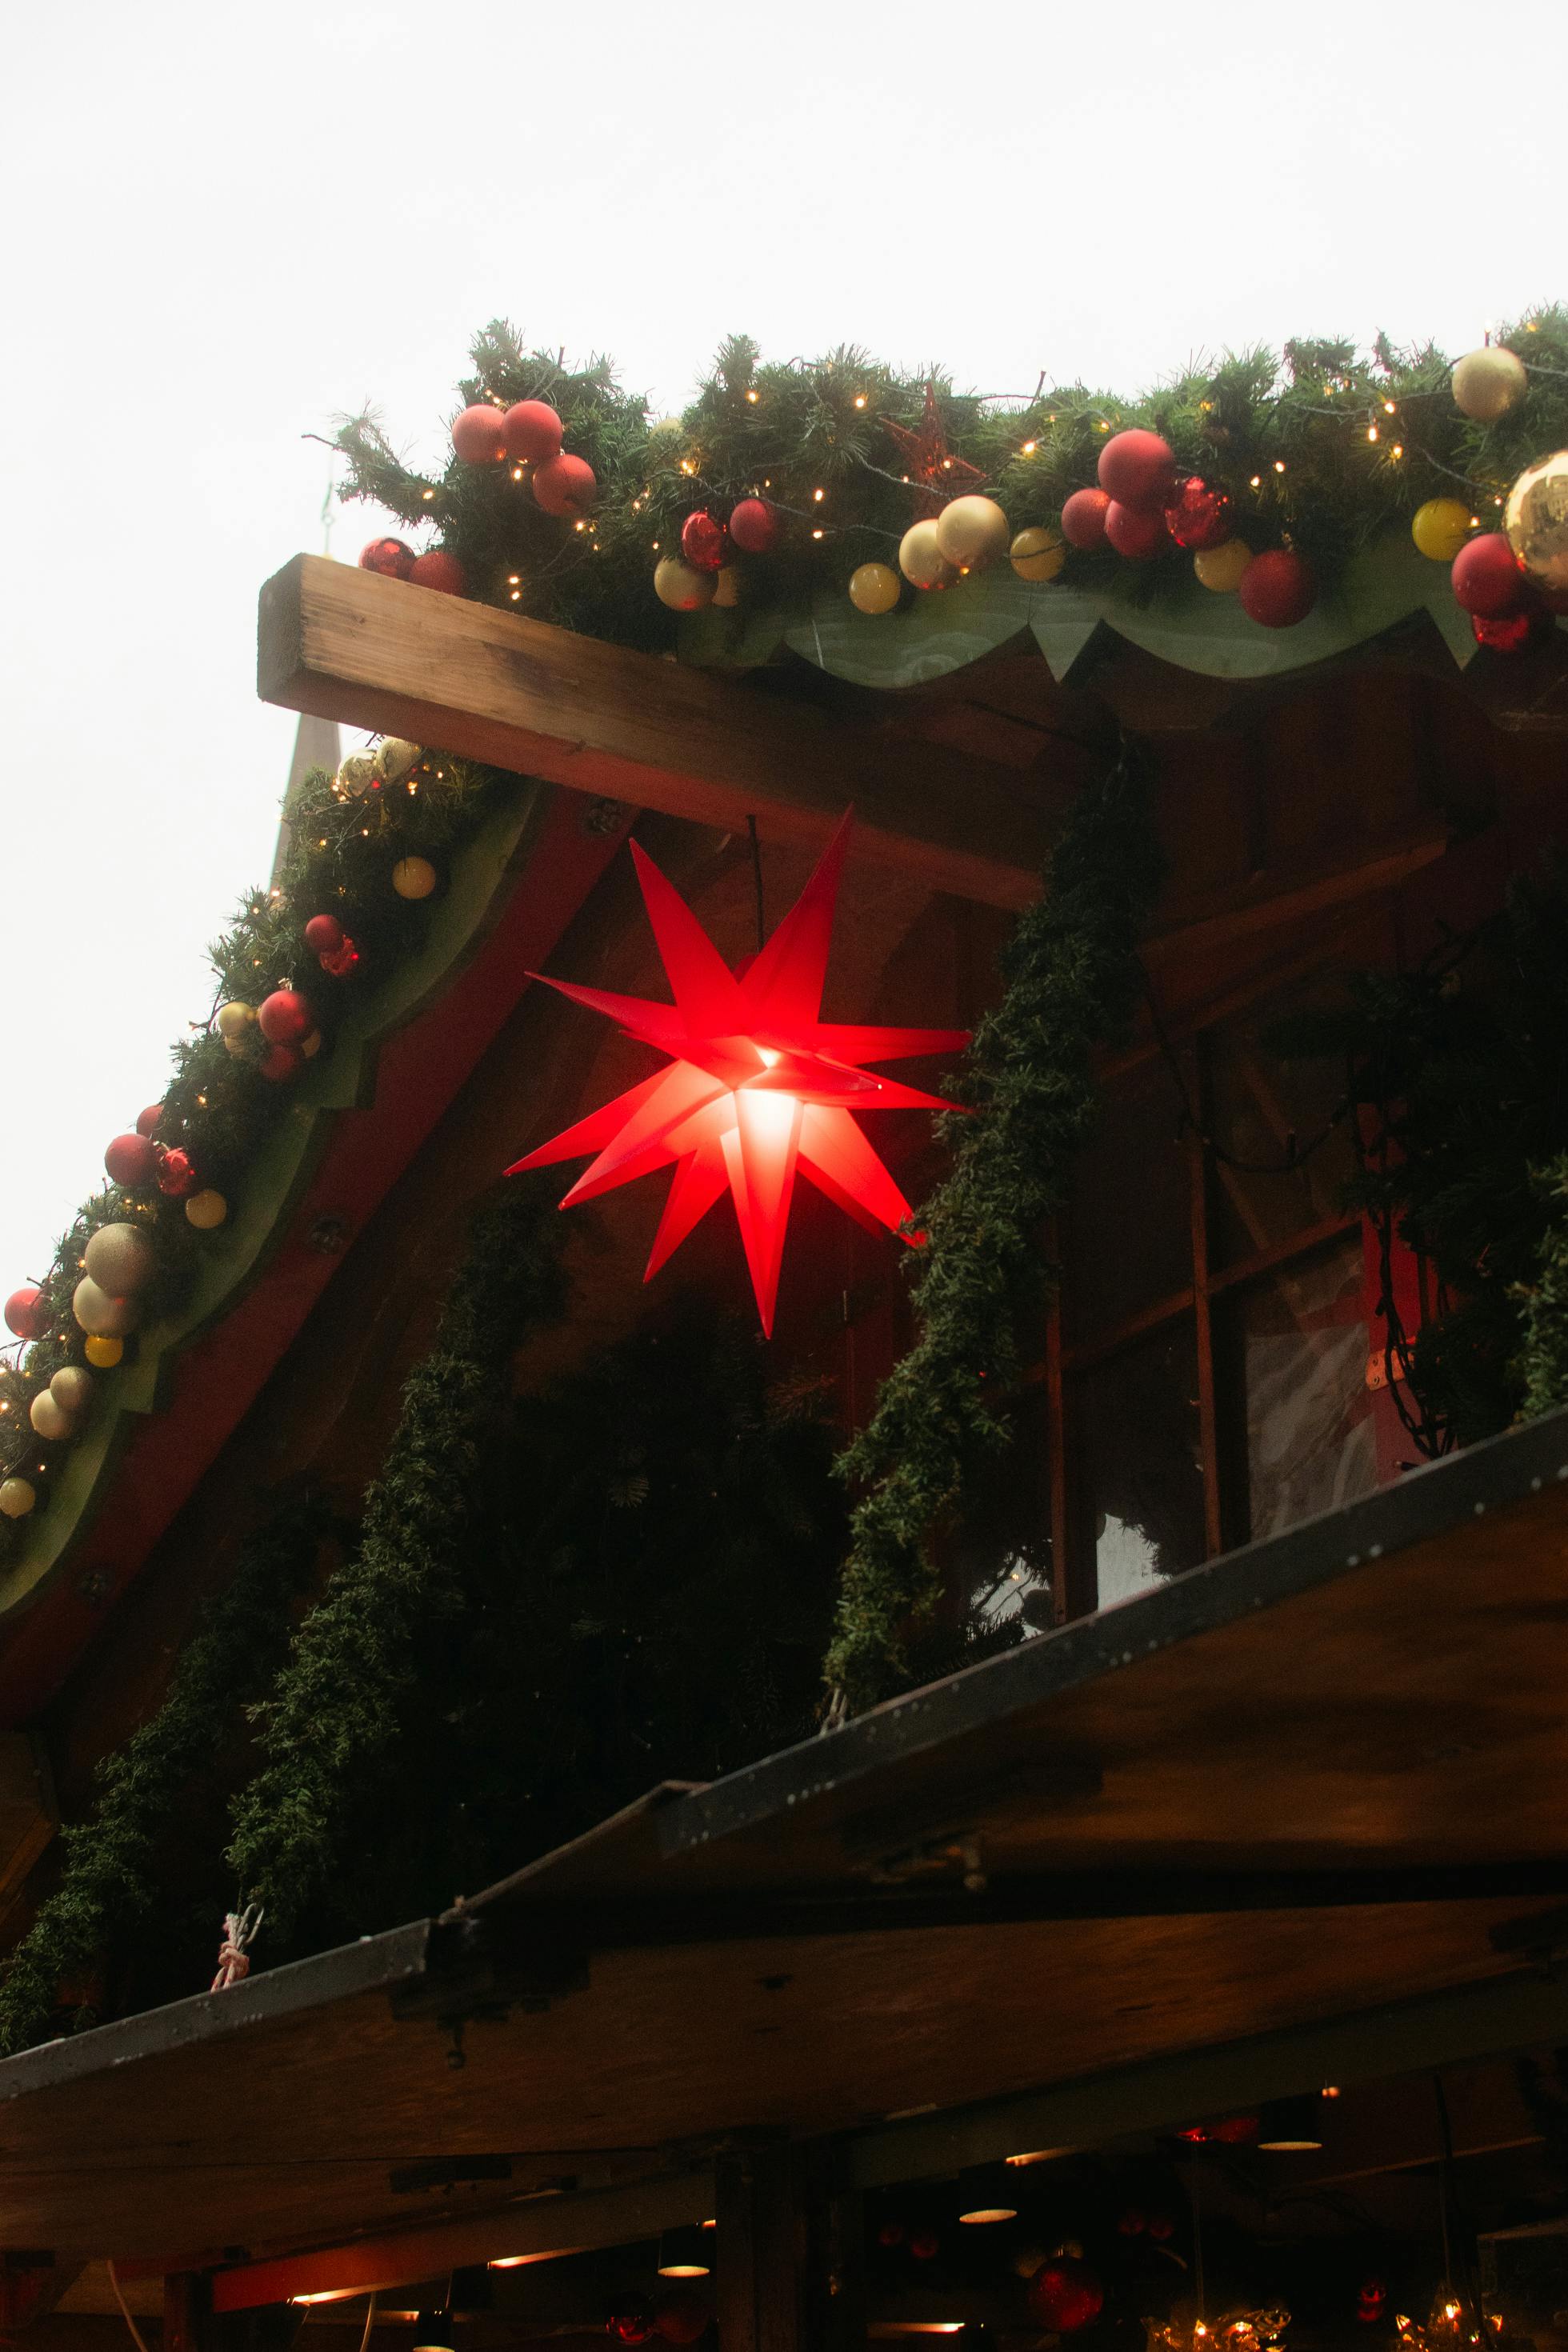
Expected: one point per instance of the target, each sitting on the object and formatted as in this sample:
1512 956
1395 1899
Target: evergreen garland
1072 979
333 1712
1542 1363
110 1882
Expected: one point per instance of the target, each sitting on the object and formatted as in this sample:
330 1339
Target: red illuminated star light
756 1086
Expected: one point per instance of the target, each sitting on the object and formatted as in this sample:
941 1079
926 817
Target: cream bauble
921 561
71 1388
236 1021
727 588
1038 554
681 586
396 759
48 1417
120 1259
1536 522
205 1210
1489 382
311 1045
16 1497
96 1311
357 774
1220 568
412 877
972 531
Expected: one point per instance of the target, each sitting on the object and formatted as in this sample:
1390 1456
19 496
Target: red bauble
681 2317
281 1062
1510 633
924 2245
388 555
1132 2223
754 527
565 486
1487 578
176 1177
147 1120
437 569
532 431
1136 468
1137 532
1083 519
479 434
130 1161
630 2319
1065 2294
26 1313
1197 516
284 1017
324 934
1370 2296
1161 2227
340 959
1276 589
703 540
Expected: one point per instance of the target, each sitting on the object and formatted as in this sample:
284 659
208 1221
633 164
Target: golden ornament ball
236 1021
357 774
102 1351
1220 568
49 1415
921 559
311 1045
1489 382
16 1497
727 588
396 759
874 588
71 1388
972 531
1038 554
681 586
120 1259
104 1316
205 1210
413 877
1536 522
1440 529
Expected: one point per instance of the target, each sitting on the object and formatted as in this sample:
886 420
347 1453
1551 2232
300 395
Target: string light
1397 450
753 395
816 534
817 497
1257 481
1280 465
1372 432
1028 449
517 473
1388 408
427 494
860 399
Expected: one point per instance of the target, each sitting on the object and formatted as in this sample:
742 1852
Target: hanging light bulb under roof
432 2333
985 2194
682 2253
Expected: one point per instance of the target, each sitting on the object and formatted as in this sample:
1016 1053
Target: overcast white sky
225 224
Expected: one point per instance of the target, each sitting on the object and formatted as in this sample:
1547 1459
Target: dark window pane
1256 1102
1003 1545
1141 1461
1127 1240
1292 1352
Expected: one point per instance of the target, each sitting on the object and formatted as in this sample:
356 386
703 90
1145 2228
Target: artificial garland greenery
1072 980
1542 1361
1318 447
112 1881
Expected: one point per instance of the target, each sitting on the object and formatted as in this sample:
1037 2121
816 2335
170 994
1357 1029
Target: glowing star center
757 1087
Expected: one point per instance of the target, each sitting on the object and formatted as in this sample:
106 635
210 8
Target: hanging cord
234 1953
1297 1154
369 2324
1468 2292
137 2336
757 882
1197 2198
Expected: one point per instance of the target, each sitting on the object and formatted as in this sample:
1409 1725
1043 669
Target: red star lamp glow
757 1084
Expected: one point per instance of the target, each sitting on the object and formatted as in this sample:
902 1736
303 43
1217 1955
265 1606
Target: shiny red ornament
532 431
1486 577
630 2319
26 1312
565 486
479 434
754 527
437 569
131 1162
388 555
1161 2227
1276 589
1136 532
1083 519
1197 516
1131 2224
932 471
925 2245
891 2233
324 935
1372 2296
284 1017
176 1176
681 2317
281 1062
1136 468
1510 633
147 1120
1065 2294
704 542
757 1086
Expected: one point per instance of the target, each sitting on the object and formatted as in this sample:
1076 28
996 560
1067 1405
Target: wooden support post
187 2312
789 2272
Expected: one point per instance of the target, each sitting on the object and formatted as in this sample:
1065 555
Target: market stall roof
1294 1812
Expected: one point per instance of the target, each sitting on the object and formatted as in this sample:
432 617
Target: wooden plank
1275 900
605 719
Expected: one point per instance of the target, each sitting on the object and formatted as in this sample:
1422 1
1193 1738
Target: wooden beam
376 653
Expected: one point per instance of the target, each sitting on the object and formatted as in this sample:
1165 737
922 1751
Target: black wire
1296 1154
757 881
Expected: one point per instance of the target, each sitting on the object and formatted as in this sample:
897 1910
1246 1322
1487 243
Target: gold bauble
205 1210
413 878
1039 552
1440 529
236 1020
972 531
1489 382
120 1259
921 559
396 759
71 1388
681 586
727 588
16 1497
311 1045
357 774
1536 522
97 1312
874 588
49 1415
102 1351
1220 568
